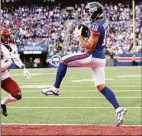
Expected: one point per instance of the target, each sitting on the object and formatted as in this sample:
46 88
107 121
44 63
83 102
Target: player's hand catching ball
82 30
78 31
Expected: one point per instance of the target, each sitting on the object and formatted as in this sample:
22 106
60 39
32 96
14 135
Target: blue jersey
99 27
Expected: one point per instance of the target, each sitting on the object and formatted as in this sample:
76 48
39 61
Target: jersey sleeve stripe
95 33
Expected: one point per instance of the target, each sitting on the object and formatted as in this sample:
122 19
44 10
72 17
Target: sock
8 99
110 96
60 74
118 109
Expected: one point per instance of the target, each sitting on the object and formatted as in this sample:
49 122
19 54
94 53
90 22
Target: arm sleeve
17 59
19 63
6 64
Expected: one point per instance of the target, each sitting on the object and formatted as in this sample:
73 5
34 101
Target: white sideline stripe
89 80
78 97
26 124
71 80
69 107
128 76
30 86
84 90
51 83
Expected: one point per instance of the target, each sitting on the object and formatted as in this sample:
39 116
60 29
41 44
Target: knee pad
18 96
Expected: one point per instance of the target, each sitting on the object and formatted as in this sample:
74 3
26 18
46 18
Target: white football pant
86 60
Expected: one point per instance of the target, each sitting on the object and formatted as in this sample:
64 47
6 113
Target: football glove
78 31
26 73
84 30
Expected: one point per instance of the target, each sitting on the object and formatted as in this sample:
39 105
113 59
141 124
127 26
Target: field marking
40 124
130 97
46 107
63 90
44 85
128 76
35 86
88 80
33 74
111 79
45 82
95 90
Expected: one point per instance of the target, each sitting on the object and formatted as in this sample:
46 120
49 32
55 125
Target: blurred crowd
36 25
54 27
119 37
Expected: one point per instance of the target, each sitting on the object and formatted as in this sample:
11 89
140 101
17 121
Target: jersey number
95 28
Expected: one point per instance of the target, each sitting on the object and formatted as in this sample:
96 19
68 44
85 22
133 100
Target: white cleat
120 116
51 91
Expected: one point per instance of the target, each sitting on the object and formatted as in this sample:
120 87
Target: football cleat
120 116
4 110
51 91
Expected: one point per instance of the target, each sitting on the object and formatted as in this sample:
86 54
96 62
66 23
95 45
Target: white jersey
5 73
6 61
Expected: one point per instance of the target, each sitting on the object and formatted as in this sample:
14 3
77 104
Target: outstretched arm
16 59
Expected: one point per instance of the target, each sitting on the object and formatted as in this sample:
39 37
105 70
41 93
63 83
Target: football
85 30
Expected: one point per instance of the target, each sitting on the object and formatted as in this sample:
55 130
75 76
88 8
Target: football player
93 58
9 55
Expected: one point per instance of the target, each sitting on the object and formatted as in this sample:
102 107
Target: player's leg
61 72
79 59
14 91
69 60
99 80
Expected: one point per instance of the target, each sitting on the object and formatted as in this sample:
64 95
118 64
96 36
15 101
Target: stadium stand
53 26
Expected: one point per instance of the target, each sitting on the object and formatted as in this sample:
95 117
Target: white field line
79 97
40 124
49 84
78 87
128 76
46 107
45 82
94 91
73 78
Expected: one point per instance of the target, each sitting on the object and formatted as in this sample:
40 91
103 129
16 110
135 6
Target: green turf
71 107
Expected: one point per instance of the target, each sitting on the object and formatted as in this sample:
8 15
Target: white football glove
26 73
78 31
